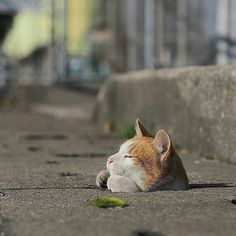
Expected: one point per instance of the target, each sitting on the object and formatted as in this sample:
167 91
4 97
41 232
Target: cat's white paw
117 183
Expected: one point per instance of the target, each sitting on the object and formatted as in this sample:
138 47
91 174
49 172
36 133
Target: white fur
117 183
117 167
124 166
124 148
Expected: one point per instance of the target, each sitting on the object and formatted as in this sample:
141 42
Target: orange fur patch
144 153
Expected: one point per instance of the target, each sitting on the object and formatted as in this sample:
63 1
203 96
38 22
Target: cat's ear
162 143
140 130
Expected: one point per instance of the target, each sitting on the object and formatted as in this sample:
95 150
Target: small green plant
107 202
128 131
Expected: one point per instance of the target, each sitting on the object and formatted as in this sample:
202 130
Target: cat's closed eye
128 156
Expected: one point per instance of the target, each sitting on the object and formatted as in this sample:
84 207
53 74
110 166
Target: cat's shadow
211 185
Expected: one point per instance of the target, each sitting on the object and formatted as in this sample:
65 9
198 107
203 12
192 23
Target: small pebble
233 201
52 162
67 173
2 194
33 149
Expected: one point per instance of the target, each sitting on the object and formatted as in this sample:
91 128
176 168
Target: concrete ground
47 173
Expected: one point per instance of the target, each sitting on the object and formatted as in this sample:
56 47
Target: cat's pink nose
109 161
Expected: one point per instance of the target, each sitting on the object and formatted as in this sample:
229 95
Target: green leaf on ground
106 202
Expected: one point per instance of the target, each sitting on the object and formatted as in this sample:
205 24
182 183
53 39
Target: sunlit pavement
48 167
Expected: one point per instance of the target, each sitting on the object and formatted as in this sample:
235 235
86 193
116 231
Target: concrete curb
196 105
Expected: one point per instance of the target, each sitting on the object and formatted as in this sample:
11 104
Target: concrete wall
196 105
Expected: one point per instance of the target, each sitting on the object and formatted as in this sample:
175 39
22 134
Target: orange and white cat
144 163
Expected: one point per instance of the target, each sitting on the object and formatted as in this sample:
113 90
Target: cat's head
151 162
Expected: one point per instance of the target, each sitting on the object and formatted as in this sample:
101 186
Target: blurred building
46 38
86 40
27 34
165 33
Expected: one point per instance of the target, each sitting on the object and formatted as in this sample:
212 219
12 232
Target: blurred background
47 41
58 123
